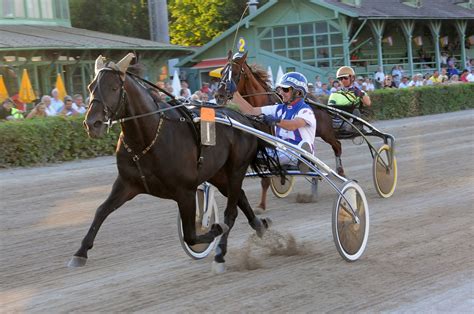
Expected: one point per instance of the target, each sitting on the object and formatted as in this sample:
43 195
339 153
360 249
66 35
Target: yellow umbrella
60 87
3 90
216 72
26 93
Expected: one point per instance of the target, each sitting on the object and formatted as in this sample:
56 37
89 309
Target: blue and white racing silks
298 109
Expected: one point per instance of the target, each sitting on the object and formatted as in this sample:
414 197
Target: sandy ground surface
419 255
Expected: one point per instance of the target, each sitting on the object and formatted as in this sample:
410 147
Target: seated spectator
336 86
185 86
184 92
6 110
416 81
436 78
463 77
196 96
454 79
56 103
444 75
404 83
358 82
325 89
452 70
205 89
368 85
79 104
396 75
68 110
388 83
426 79
470 76
46 100
39 111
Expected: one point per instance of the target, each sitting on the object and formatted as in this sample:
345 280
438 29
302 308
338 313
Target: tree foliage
127 18
197 22
191 22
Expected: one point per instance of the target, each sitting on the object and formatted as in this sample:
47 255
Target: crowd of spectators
398 78
51 105
46 106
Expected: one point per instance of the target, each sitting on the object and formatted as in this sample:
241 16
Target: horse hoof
267 222
224 227
77 261
218 268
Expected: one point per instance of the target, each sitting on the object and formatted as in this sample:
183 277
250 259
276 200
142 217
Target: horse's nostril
97 124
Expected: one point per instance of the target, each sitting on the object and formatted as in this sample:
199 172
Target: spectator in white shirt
79 104
470 76
368 86
404 83
56 103
46 100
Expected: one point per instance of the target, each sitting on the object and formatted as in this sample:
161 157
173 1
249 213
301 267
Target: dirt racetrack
419 255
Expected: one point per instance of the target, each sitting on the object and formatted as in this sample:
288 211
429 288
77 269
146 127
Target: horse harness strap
136 157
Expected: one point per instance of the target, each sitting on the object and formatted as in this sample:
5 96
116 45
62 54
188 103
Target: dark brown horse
150 161
252 83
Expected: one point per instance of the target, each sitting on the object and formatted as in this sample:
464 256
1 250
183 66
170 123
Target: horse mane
260 73
137 69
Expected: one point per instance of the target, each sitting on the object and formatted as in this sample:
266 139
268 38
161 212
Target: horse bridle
106 109
227 80
231 85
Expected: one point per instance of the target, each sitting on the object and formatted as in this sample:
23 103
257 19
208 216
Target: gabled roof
28 37
228 32
395 9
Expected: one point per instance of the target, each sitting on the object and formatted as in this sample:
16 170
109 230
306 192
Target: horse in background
253 84
149 161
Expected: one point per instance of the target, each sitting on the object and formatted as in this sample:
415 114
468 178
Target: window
315 44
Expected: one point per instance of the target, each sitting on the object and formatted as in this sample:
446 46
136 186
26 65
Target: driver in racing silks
293 120
349 97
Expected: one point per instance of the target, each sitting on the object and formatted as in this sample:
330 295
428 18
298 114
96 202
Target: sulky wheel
206 215
350 236
385 175
282 190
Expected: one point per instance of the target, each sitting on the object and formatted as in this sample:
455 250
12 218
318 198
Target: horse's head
230 77
106 95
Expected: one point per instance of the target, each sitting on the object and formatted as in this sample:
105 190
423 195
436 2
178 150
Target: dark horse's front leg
187 210
235 197
121 192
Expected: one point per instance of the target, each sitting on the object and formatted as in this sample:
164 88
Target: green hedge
47 140
410 102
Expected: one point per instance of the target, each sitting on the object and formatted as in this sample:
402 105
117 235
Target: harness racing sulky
150 162
332 126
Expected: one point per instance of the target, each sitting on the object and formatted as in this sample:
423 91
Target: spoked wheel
282 190
384 173
206 215
350 235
